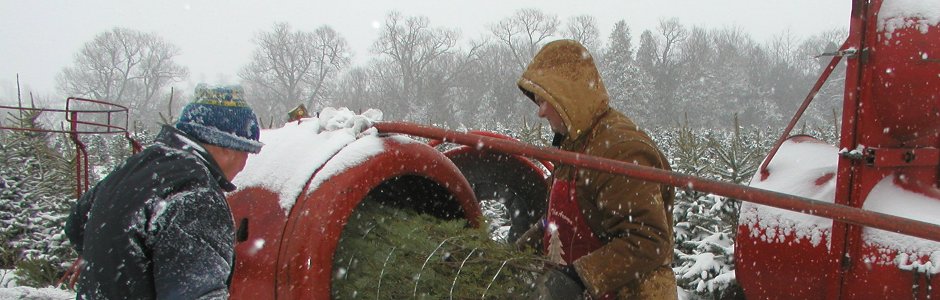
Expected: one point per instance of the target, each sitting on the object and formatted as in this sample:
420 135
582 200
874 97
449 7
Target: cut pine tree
393 253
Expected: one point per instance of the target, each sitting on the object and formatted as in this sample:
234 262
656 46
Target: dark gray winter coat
158 227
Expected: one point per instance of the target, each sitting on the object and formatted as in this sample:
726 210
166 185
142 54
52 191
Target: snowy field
9 289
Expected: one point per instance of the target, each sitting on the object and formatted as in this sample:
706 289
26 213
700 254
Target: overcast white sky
39 37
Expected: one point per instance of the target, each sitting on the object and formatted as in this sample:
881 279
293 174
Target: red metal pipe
122 107
135 145
81 161
833 211
845 237
799 112
82 173
109 112
78 169
547 164
60 110
55 130
72 116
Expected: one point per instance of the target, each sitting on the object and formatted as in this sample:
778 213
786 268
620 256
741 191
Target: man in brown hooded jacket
616 232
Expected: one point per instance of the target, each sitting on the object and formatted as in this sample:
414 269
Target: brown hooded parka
633 218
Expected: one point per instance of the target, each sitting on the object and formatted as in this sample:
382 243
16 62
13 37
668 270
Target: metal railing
81 122
837 212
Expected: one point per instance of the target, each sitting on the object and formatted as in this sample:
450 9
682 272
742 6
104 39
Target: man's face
230 161
239 158
547 112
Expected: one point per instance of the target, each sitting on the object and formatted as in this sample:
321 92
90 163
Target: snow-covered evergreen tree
630 87
37 190
704 254
705 224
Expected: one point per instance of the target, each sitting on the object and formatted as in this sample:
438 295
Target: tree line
671 79
424 73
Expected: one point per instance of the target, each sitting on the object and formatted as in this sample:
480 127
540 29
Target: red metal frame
73 117
842 233
890 115
799 112
890 109
837 212
547 164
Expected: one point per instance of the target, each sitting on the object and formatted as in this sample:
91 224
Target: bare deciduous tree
356 89
413 46
673 34
491 94
583 28
525 33
124 66
294 67
784 47
658 57
816 51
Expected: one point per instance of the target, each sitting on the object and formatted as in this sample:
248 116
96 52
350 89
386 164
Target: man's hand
532 238
559 282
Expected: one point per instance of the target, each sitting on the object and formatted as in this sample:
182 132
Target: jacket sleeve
75 224
191 238
633 219
532 238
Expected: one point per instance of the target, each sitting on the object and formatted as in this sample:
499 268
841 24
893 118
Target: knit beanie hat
219 116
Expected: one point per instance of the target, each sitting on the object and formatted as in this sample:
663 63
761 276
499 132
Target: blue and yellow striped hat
220 116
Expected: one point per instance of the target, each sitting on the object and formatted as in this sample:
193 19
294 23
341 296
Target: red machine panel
887 163
291 257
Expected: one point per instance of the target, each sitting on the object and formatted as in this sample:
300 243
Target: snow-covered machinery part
887 161
930 232
297 194
85 117
516 184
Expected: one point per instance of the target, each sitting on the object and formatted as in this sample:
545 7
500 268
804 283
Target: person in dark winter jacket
610 234
158 227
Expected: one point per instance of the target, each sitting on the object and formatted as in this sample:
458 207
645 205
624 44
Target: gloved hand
559 283
532 238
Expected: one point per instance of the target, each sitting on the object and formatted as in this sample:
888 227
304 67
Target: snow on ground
683 294
22 292
297 150
10 290
898 14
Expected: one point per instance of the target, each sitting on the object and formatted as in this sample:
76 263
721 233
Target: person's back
158 183
158 227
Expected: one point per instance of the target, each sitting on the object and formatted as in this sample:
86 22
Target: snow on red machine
857 221
887 162
297 194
